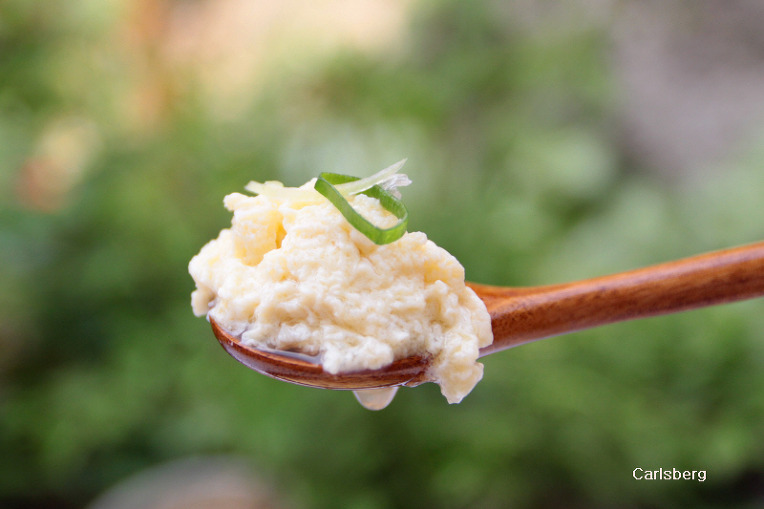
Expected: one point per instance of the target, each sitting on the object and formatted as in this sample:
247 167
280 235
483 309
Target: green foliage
105 371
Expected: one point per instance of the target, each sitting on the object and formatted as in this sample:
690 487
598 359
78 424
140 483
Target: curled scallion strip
325 185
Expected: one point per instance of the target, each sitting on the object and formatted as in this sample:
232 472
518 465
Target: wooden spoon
520 315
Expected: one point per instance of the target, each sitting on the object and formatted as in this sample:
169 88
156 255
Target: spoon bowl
296 369
521 315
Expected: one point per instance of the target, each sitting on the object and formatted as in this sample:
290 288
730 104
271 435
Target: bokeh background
547 141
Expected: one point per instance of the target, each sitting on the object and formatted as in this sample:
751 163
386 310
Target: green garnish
325 185
336 188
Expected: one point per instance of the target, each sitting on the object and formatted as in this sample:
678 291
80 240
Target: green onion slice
325 185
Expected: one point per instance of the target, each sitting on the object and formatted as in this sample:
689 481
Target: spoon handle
519 315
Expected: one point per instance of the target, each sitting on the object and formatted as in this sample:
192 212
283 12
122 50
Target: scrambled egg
293 274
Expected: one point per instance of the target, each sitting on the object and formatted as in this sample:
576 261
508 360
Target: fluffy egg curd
292 273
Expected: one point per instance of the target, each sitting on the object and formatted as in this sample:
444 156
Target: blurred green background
545 142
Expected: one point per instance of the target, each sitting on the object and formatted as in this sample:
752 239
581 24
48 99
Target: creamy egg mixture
292 274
